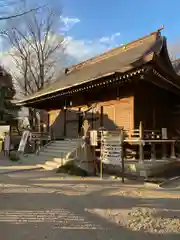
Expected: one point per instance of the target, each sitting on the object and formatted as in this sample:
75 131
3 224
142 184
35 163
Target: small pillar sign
93 138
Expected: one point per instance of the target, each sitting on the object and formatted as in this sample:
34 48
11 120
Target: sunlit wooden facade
119 88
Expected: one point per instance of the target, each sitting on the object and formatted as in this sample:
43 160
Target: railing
149 144
153 143
75 153
146 134
39 136
152 134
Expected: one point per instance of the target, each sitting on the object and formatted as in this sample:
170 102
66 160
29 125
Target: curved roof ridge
156 34
164 62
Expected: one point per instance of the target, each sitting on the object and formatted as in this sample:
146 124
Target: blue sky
131 18
94 26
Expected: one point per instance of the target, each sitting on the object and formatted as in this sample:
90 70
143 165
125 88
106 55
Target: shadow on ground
34 206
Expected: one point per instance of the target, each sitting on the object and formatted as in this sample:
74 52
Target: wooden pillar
153 152
80 122
154 118
153 148
141 152
122 154
10 135
101 117
92 119
48 123
164 137
173 156
65 112
164 151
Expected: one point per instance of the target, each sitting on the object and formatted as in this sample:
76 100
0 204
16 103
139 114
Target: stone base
145 169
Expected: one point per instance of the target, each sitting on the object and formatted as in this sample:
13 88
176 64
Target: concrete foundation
144 169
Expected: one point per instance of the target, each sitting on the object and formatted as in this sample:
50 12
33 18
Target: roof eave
118 76
21 102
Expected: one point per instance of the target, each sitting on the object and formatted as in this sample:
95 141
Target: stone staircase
56 154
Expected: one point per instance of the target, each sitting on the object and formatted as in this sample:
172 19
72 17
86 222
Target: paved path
40 205
7 165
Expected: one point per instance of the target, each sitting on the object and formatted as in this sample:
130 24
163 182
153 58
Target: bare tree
4 6
176 65
36 48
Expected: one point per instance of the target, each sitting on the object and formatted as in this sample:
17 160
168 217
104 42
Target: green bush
72 169
14 156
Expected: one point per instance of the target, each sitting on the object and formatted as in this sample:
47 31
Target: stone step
53 154
46 167
63 161
65 147
63 144
39 159
52 164
58 149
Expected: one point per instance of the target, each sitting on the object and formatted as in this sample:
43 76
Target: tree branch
18 15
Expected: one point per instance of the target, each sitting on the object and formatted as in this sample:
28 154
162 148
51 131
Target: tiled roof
121 59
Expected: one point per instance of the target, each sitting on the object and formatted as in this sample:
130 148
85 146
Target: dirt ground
42 205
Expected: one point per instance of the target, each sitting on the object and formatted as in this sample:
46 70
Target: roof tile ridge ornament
114 51
157 33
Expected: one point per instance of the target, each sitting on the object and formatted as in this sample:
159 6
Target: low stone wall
145 169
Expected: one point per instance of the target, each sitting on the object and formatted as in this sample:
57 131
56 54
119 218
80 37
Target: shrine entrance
75 119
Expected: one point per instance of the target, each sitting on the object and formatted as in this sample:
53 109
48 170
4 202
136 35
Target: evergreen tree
8 110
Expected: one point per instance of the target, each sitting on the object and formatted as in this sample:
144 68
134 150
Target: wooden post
173 155
153 147
164 151
65 111
101 169
164 137
153 152
101 117
48 122
101 125
92 119
101 164
94 144
80 121
154 117
122 153
141 153
93 150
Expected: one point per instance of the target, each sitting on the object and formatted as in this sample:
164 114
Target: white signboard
23 141
111 148
93 138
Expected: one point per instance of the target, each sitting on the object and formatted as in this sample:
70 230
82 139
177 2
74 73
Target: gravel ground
40 205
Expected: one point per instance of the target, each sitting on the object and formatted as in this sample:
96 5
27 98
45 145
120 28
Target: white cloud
111 38
76 50
84 49
68 23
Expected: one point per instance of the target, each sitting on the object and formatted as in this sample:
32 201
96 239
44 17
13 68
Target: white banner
23 141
